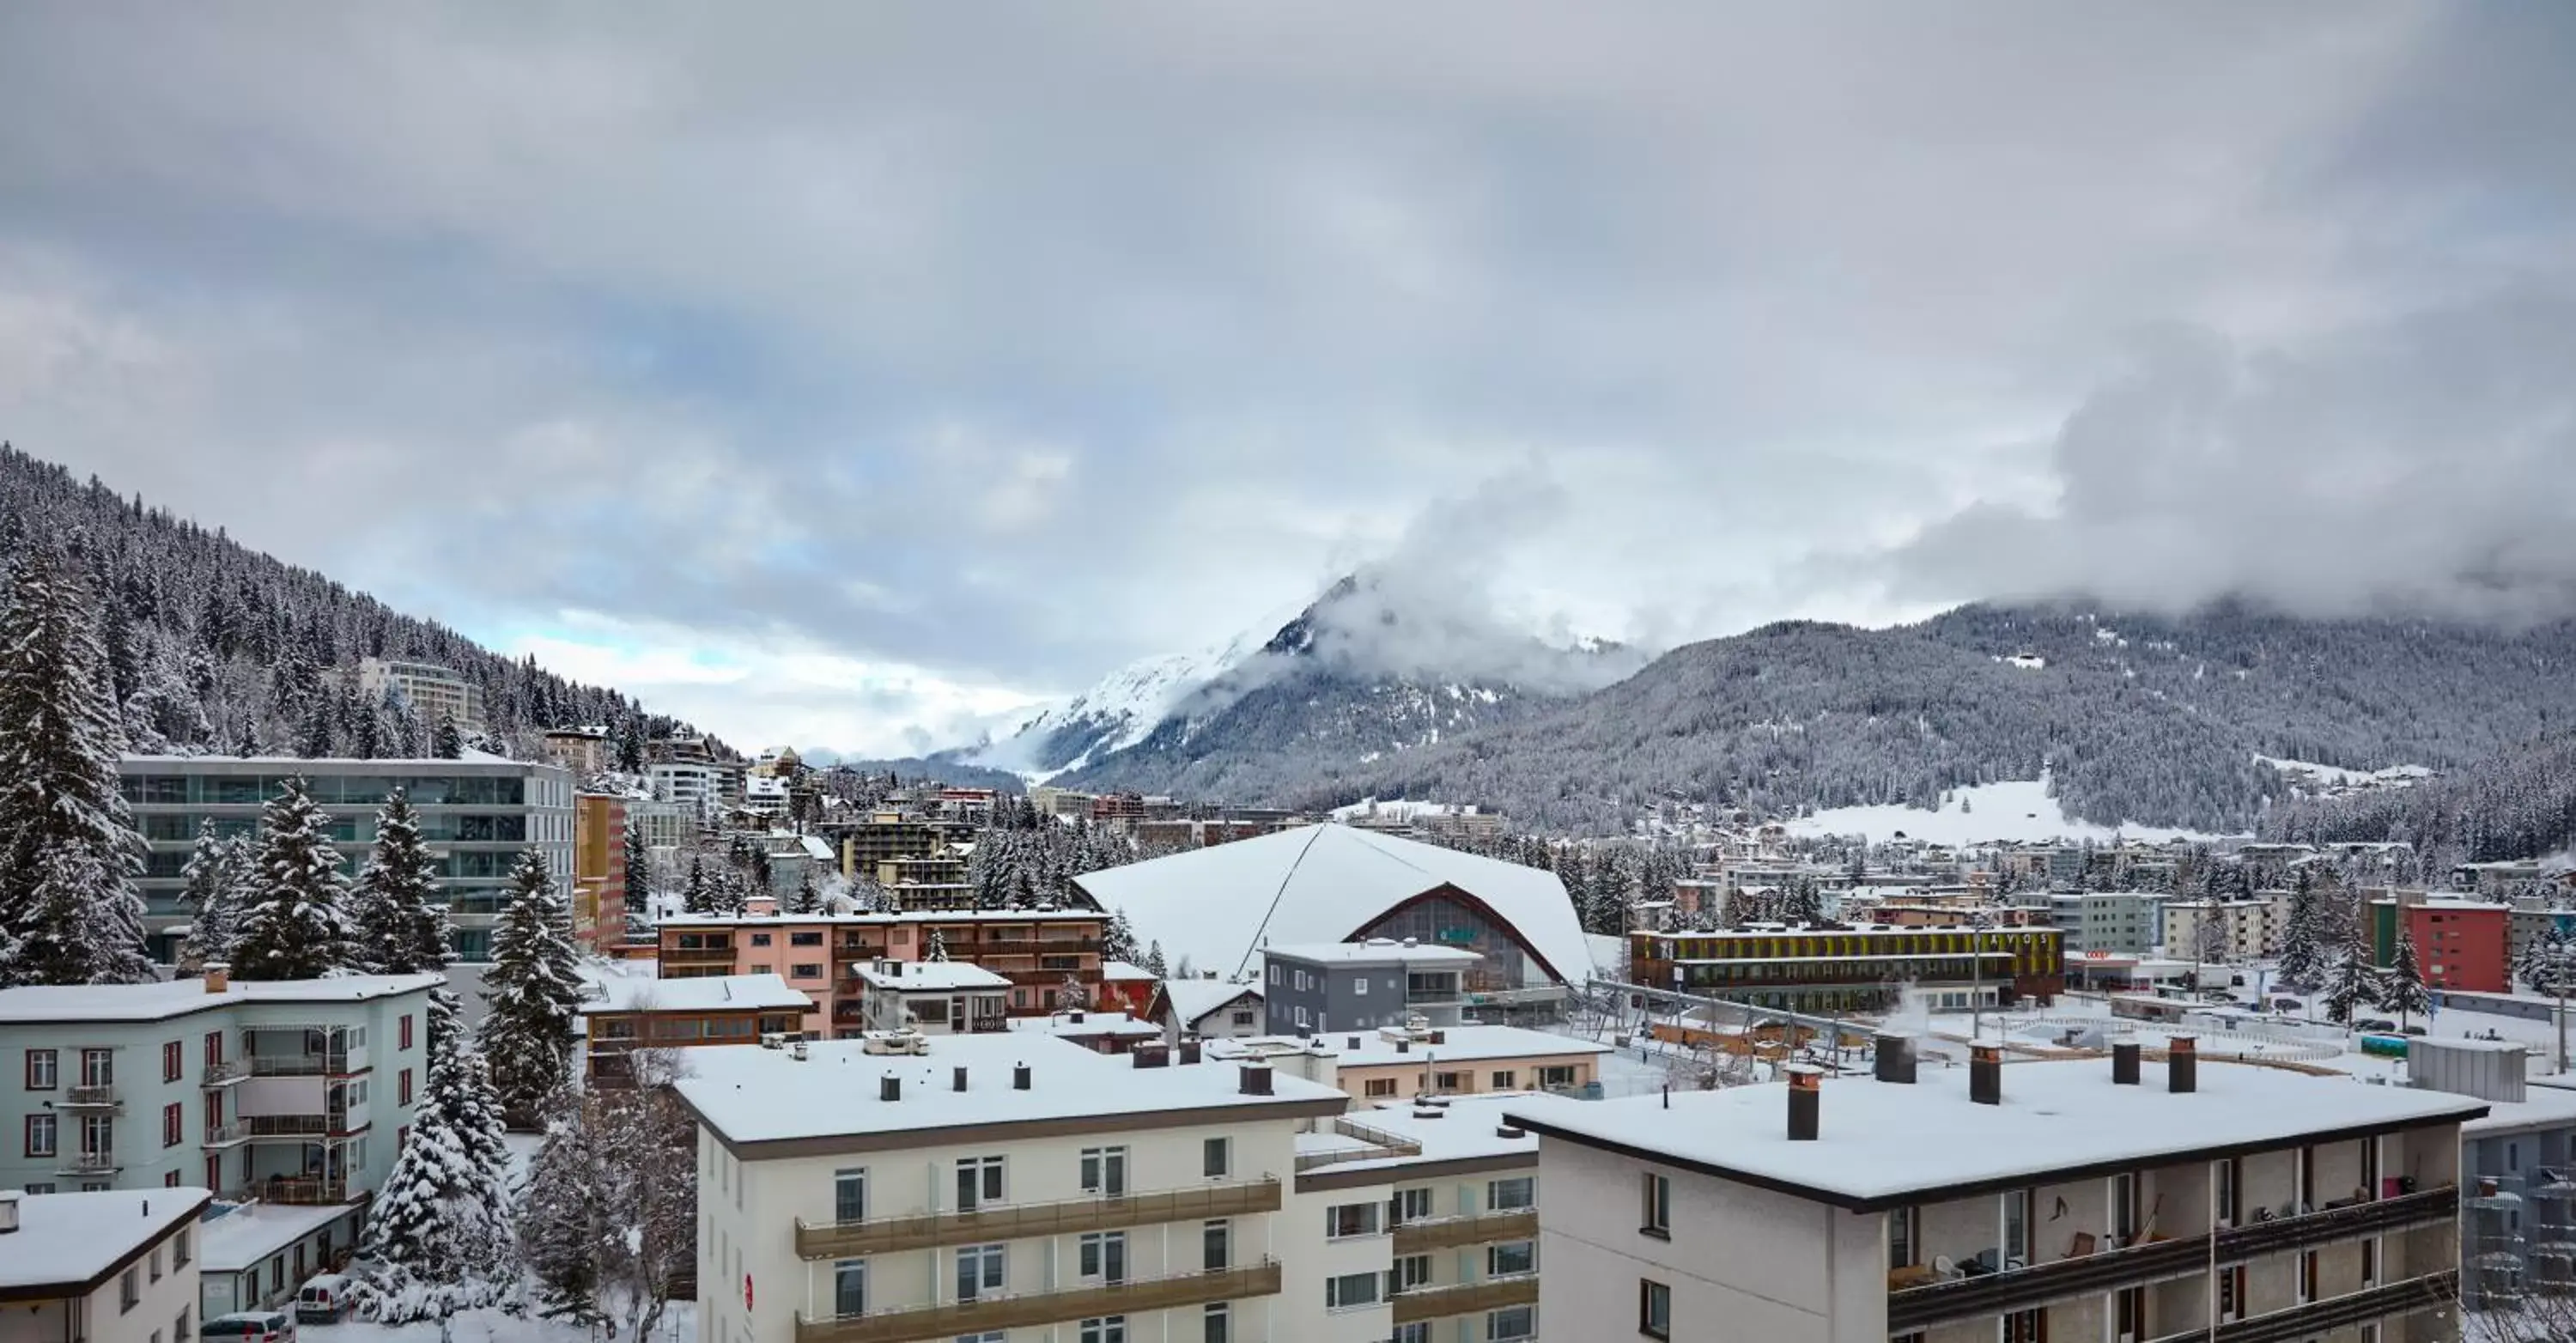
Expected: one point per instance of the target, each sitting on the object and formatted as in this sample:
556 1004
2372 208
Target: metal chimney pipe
1893 1060
2182 1064
1806 1102
958 1078
1986 1074
889 1088
1020 1077
2124 1062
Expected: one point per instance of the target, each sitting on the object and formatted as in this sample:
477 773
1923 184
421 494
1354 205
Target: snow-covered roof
1458 1044
1467 1129
1375 951
1193 1000
1089 1025
179 997
928 976
2540 1108
768 921
1884 1142
235 1238
769 1095
1325 883
711 993
1121 970
72 1241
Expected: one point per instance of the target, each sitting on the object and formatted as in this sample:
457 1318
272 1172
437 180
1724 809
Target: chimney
1019 1077
1152 1056
1440 1037
2182 1064
957 1078
890 1088
9 1211
1894 1059
1355 1042
797 1050
1191 1052
1986 1074
1806 1101
2124 1062
1404 1046
219 976
1075 1016
1255 1079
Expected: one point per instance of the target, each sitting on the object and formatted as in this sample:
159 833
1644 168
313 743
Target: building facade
2461 945
935 998
2121 923
434 692
1334 986
99 1268
625 1013
822 955
1854 969
2225 930
478 817
598 873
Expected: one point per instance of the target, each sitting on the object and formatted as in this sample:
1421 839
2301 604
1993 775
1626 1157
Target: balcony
301 1191
850 1240
1382 1146
101 1097
1449 1233
1027 946
1032 1309
329 1063
2435 1291
1466 1298
301 1128
696 956
1988 1294
87 1163
230 1072
220 1137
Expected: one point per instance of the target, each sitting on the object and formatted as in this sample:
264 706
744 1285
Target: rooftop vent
796 1049
957 1078
1191 1052
1510 1131
1153 1056
1354 1044
1893 1060
1806 1101
889 1088
2124 1062
2182 1064
1254 1079
1986 1074
1426 1110
1019 1077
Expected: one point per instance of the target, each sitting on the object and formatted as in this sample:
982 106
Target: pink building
820 955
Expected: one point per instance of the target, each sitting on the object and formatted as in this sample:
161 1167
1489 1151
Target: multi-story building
113 1267
2225 930
2460 945
1854 969
478 816
2517 1173
582 750
997 1187
598 873
625 1013
822 955
883 837
934 997
2040 1201
1395 1063
292 1092
1336 986
713 787
666 825
2121 923
434 692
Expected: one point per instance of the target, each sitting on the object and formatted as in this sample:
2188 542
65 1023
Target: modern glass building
478 816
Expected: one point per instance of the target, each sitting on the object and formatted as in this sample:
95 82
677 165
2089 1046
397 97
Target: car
249 1326
324 1299
2380 1024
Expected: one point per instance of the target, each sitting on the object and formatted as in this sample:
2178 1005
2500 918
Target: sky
862 376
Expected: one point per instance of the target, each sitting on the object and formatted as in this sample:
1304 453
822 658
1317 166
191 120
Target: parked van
324 1300
249 1326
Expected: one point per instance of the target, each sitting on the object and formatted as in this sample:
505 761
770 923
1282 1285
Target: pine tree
630 745
1118 940
531 993
295 924
695 898
565 1214
2401 989
62 819
446 741
1154 960
2354 982
213 897
2548 965
438 1233
639 870
2303 941
936 949
395 914
808 899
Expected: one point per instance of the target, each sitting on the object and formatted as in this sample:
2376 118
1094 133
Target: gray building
2117 923
1335 986
2517 1172
478 815
294 1092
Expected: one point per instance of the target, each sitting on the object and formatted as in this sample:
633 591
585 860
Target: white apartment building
434 692
1004 1188
934 997
112 1267
2248 930
709 786
2053 1200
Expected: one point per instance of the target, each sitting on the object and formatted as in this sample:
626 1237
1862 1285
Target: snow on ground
679 1321
2338 776
2018 810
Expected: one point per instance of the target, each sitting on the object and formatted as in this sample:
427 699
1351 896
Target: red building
2459 944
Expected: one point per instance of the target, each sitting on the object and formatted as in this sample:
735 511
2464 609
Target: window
1243 1021
1903 1228
171 1119
2029 1326
173 1058
1274 976
1359 987
2231 1178
804 939
2017 1224
129 1289
1559 1075
1108 1329
179 1251
179 1328
40 1070
850 1195
214 1048
1411 1271
979 1271
805 970
1418 1331
1511 1323
1511 1258
1654 1308
1104 1171
2231 1292
1408 1205
402 1032
2308 1277
2369 1262
1216 1157
40 1135
1216 1246
1460 1080
760 939
1343 1221
1520 1191
1217 1323
1377 1087
1503 1079
402 1087
849 1288
1351 1291
2131 1322
1102 1255
34 1188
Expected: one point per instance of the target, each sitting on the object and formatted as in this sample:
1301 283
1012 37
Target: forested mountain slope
213 647
2519 804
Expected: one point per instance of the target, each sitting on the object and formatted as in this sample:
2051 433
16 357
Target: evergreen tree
69 852
1154 960
531 993
395 913
564 1215
295 923
1118 940
639 870
2303 939
2401 989
808 899
213 897
446 741
438 1233
630 745
2548 965
2354 982
936 949
695 897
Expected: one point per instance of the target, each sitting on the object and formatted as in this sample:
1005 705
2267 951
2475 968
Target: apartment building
2056 1200
712 787
2120 923
997 1188
294 1092
624 1013
2241 930
2517 1183
1380 982
598 873
112 1267
2460 945
884 837
822 955
434 692
1399 1062
582 750
1867 968
934 997
479 816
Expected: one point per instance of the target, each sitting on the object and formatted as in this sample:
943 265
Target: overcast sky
862 373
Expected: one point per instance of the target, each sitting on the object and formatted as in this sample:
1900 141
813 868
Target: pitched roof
1194 999
1324 883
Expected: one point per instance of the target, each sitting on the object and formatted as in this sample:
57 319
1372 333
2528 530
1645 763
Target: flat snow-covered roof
756 922
1468 1129
251 1232
928 976
1325 883
1883 1143
713 993
1090 1024
1375 951
178 997
72 1241
2540 1108
1459 1044
769 1095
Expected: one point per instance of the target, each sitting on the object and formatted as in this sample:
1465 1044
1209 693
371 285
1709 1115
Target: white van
324 1300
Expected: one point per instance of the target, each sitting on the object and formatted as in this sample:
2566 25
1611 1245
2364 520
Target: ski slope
2019 810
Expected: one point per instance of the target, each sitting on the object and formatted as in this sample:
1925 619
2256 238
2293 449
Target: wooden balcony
295 1192
851 1240
1028 1310
1466 1298
1448 1233
697 955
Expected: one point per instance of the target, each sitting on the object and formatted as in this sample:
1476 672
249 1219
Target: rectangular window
2130 1315
2231 1292
402 1087
760 939
1408 1205
1503 1079
1359 987
40 1135
179 1328
2308 1277
1654 1308
850 1195
1656 1217
41 1070
805 970
1511 1323
1377 1088
1521 1191
214 1048
1216 1157
2029 1326
979 1271
1511 1258
2369 1262
1351 1291
1343 1221
1902 1226
402 1032
1104 1171
804 939
1107 1329
1411 1271
173 1059
1419 1331
179 1248
1217 1323
129 1289
1102 1256
2231 1178
1216 1246
171 1119
1459 1080
1561 1075
2017 1225
850 1288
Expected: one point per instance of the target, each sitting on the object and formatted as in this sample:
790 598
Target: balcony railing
850 1240
102 1097
1382 1146
300 1191
227 1073
2433 1291
234 1134
696 955
1032 1309
1433 1303
1448 1233
2083 1275
87 1163
300 1065
1028 946
336 1124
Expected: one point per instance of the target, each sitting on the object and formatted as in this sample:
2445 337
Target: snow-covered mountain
1118 712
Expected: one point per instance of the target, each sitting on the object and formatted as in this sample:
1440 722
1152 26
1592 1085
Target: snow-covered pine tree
2353 984
2401 989
565 1219
61 816
808 898
446 740
531 993
395 913
213 897
639 869
295 919
630 745
2303 942
935 950
695 897
2548 965
1154 960
438 1233
728 890
1118 940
